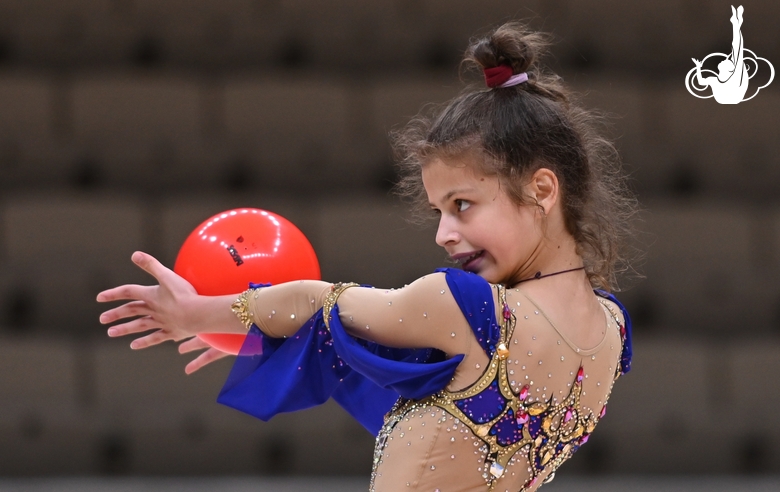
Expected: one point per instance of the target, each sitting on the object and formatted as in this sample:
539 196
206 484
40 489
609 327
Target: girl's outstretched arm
423 314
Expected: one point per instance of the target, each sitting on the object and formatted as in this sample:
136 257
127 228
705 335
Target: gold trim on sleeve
332 297
240 308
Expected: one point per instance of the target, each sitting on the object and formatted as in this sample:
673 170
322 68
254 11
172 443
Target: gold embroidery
240 308
332 297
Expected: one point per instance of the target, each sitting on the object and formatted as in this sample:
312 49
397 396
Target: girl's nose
446 234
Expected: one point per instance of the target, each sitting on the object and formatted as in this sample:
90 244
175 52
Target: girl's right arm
423 314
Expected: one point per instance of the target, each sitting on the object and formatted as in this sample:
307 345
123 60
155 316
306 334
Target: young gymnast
485 378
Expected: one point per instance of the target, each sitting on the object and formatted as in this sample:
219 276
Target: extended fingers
155 338
192 344
125 292
204 359
135 326
150 265
134 308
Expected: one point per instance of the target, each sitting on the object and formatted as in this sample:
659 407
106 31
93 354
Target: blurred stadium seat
354 238
297 134
42 409
62 249
147 131
33 151
699 267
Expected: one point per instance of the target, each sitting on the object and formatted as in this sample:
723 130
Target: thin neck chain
539 274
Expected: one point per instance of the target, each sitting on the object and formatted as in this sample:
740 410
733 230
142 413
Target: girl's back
473 434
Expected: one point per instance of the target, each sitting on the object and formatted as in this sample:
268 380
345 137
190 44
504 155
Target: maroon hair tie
496 76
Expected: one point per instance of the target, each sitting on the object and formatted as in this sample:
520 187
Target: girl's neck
554 255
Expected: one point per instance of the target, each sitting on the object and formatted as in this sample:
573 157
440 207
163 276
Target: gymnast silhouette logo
730 84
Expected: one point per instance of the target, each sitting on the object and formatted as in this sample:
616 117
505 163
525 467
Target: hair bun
511 44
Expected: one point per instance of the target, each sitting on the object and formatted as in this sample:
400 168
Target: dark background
125 123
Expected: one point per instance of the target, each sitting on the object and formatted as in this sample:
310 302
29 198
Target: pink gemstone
580 373
522 418
584 439
567 417
523 393
603 411
507 313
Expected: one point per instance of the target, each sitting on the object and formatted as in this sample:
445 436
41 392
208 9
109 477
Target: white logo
730 85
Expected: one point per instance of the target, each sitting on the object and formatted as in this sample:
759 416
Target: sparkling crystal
523 393
522 417
502 350
496 470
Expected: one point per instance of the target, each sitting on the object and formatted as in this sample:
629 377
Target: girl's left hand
165 308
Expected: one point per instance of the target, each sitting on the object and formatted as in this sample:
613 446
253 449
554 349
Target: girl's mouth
472 260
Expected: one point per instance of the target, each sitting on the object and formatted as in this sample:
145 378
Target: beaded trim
332 297
621 327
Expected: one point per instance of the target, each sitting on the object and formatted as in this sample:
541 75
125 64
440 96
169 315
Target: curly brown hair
517 130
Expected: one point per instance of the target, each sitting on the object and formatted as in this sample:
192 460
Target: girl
485 378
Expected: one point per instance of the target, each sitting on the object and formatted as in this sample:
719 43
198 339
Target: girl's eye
461 203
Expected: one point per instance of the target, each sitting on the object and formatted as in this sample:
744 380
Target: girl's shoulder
612 303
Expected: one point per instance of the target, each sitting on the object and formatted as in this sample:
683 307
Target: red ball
229 250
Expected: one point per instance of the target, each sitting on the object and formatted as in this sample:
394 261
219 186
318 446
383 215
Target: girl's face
480 227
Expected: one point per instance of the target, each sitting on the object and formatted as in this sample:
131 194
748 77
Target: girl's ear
544 188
